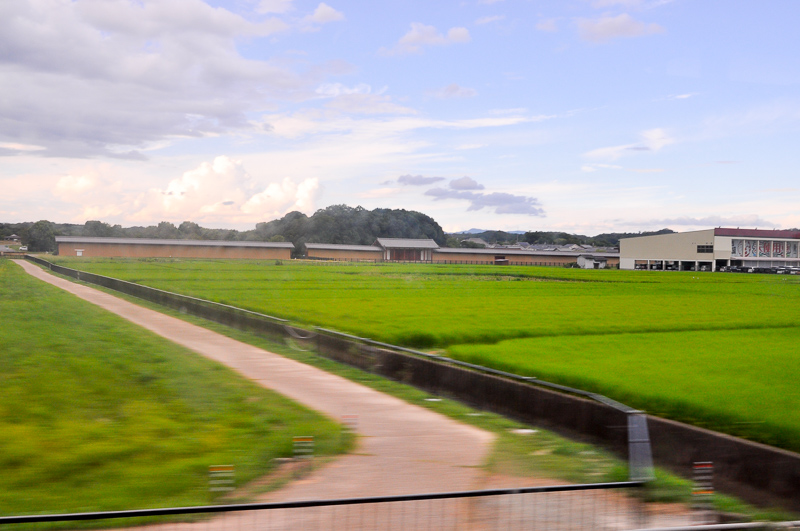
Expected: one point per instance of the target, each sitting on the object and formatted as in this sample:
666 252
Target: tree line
338 224
335 224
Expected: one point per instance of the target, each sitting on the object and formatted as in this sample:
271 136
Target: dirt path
403 448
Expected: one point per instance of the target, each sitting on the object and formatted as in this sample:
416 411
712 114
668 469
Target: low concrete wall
220 313
755 472
758 473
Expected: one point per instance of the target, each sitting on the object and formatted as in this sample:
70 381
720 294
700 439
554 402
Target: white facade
712 249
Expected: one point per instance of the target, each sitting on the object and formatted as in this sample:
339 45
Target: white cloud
323 14
74 185
487 20
360 103
453 90
223 191
421 35
274 6
547 25
682 96
337 89
312 122
655 139
12 146
607 27
652 140
81 78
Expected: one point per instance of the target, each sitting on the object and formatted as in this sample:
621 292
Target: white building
711 249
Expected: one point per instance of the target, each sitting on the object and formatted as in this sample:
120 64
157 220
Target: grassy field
98 414
717 350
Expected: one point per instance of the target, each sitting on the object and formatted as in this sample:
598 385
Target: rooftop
342 247
405 243
153 241
757 233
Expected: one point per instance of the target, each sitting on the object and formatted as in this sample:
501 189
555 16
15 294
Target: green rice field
714 349
98 414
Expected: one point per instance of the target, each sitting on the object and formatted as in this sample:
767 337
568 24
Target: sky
584 116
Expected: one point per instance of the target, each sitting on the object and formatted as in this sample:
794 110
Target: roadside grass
711 349
97 414
520 451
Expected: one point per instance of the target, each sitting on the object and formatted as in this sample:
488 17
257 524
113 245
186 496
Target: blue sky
585 116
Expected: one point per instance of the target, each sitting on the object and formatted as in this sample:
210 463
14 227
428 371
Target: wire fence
564 507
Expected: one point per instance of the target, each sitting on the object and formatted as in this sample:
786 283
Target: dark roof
342 247
188 243
521 252
757 233
405 243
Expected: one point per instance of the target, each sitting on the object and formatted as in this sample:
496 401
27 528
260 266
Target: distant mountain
481 231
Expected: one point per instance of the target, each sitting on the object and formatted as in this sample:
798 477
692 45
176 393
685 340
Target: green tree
40 237
97 229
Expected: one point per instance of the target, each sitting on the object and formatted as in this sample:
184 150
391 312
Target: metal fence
564 507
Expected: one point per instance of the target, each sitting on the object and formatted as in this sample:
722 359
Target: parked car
23 248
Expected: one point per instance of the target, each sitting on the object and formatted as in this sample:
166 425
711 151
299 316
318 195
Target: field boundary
755 472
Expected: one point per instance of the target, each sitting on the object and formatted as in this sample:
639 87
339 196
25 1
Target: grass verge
98 414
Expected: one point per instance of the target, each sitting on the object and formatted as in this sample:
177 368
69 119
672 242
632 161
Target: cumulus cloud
652 140
323 14
418 180
466 183
502 203
114 77
421 35
607 27
453 91
222 190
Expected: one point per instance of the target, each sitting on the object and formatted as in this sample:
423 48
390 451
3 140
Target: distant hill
555 238
483 231
347 225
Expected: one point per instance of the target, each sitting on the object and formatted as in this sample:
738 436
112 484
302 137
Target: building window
705 248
